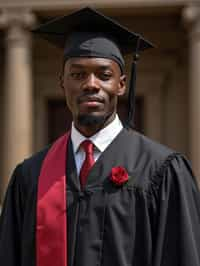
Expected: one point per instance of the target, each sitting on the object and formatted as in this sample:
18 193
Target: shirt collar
101 139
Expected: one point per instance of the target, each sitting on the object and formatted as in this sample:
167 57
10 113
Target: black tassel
132 85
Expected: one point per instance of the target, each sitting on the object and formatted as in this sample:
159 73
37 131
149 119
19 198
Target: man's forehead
93 60
84 62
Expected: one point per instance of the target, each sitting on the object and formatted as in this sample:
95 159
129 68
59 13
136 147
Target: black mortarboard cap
88 33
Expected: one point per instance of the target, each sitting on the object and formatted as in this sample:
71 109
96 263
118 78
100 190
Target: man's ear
61 81
122 85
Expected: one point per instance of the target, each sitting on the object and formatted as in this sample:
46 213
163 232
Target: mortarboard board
88 33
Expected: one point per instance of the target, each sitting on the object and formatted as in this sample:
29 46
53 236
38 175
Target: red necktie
88 147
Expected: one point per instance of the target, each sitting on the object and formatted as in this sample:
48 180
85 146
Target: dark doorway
59 116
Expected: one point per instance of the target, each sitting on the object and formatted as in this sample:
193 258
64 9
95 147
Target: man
130 201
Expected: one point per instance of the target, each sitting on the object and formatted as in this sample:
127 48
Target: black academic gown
153 220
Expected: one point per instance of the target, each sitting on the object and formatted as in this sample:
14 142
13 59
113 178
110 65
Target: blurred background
32 107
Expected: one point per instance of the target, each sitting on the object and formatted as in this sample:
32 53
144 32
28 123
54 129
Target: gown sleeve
11 223
178 224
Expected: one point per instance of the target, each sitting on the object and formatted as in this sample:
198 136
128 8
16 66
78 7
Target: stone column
191 16
18 101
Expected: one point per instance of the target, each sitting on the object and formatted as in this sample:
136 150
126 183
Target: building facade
32 106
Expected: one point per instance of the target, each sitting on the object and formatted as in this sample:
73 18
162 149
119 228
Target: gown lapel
73 190
73 183
111 157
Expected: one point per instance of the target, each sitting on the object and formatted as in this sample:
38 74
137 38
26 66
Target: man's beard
91 120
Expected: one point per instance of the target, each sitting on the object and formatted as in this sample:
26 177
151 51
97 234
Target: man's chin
90 120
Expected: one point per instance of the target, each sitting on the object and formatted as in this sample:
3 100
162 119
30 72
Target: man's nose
91 83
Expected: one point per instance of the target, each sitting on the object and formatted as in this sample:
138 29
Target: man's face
91 87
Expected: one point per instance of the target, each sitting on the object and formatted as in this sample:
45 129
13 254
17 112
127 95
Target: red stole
51 224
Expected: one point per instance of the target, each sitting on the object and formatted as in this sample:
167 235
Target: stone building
32 107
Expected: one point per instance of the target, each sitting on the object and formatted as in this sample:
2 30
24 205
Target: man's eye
77 75
106 75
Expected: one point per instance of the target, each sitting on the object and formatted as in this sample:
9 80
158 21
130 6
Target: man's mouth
90 101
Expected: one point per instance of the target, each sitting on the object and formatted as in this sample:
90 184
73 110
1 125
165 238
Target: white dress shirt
101 140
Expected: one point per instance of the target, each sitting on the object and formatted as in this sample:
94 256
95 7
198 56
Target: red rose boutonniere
119 175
